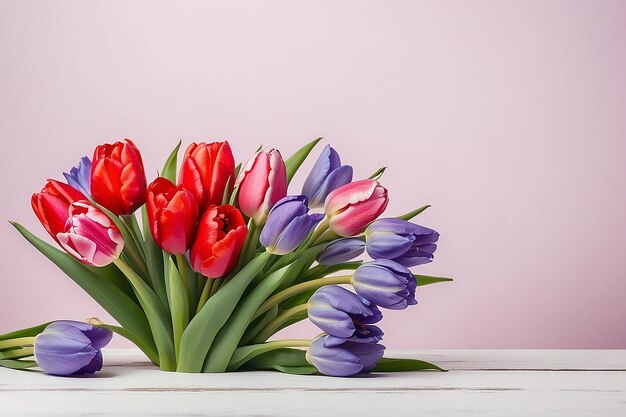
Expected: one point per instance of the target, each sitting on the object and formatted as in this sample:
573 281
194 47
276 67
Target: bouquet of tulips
222 258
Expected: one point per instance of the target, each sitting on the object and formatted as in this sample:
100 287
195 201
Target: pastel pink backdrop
507 117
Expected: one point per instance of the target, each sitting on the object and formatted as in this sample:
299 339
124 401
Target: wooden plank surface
480 382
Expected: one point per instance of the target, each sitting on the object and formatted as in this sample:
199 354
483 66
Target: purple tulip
341 250
326 175
385 283
402 241
345 359
343 314
288 224
79 176
71 348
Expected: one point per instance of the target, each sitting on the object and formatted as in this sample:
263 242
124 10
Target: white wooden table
588 383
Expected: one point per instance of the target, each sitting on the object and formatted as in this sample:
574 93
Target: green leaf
229 336
378 173
121 307
257 325
295 161
179 304
413 213
154 260
28 332
17 364
159 320
295 370
131 250
149 350
169 169
403 365
201 331
263 356
427 280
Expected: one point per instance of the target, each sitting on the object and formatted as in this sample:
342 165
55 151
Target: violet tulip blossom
404 242
79 176
326 175
288 224
385 283
343 314
341 250
345 359
71 348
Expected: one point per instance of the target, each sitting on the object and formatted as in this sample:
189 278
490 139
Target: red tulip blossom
51 205
118 180
220 237
206 170
172 216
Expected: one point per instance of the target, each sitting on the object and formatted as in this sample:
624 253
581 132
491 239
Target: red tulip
51 205
262 182
353 206
172 216
220 237
81 229
205 171
118 181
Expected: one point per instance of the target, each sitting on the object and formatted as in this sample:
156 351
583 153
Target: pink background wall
508 117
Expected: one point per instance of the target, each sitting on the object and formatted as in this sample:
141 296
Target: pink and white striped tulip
262 182
90 236
353 206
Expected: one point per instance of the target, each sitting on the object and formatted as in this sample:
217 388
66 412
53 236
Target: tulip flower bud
52 204
341 250
288 224
219 239
118 181
344 315
326 175
90 236
348 358
79 176
262 182
385 283
172 216
71 348
353 206
399 240
206 170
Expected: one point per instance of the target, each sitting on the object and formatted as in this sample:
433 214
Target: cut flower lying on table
220 259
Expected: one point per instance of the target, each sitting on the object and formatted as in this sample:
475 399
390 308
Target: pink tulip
353 206
90 236
262 182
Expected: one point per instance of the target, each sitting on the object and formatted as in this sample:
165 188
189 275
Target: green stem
216 285
297 289
159 320
285 343
17 353
319 230
20 341
206 291
273 326
323 270
181 263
